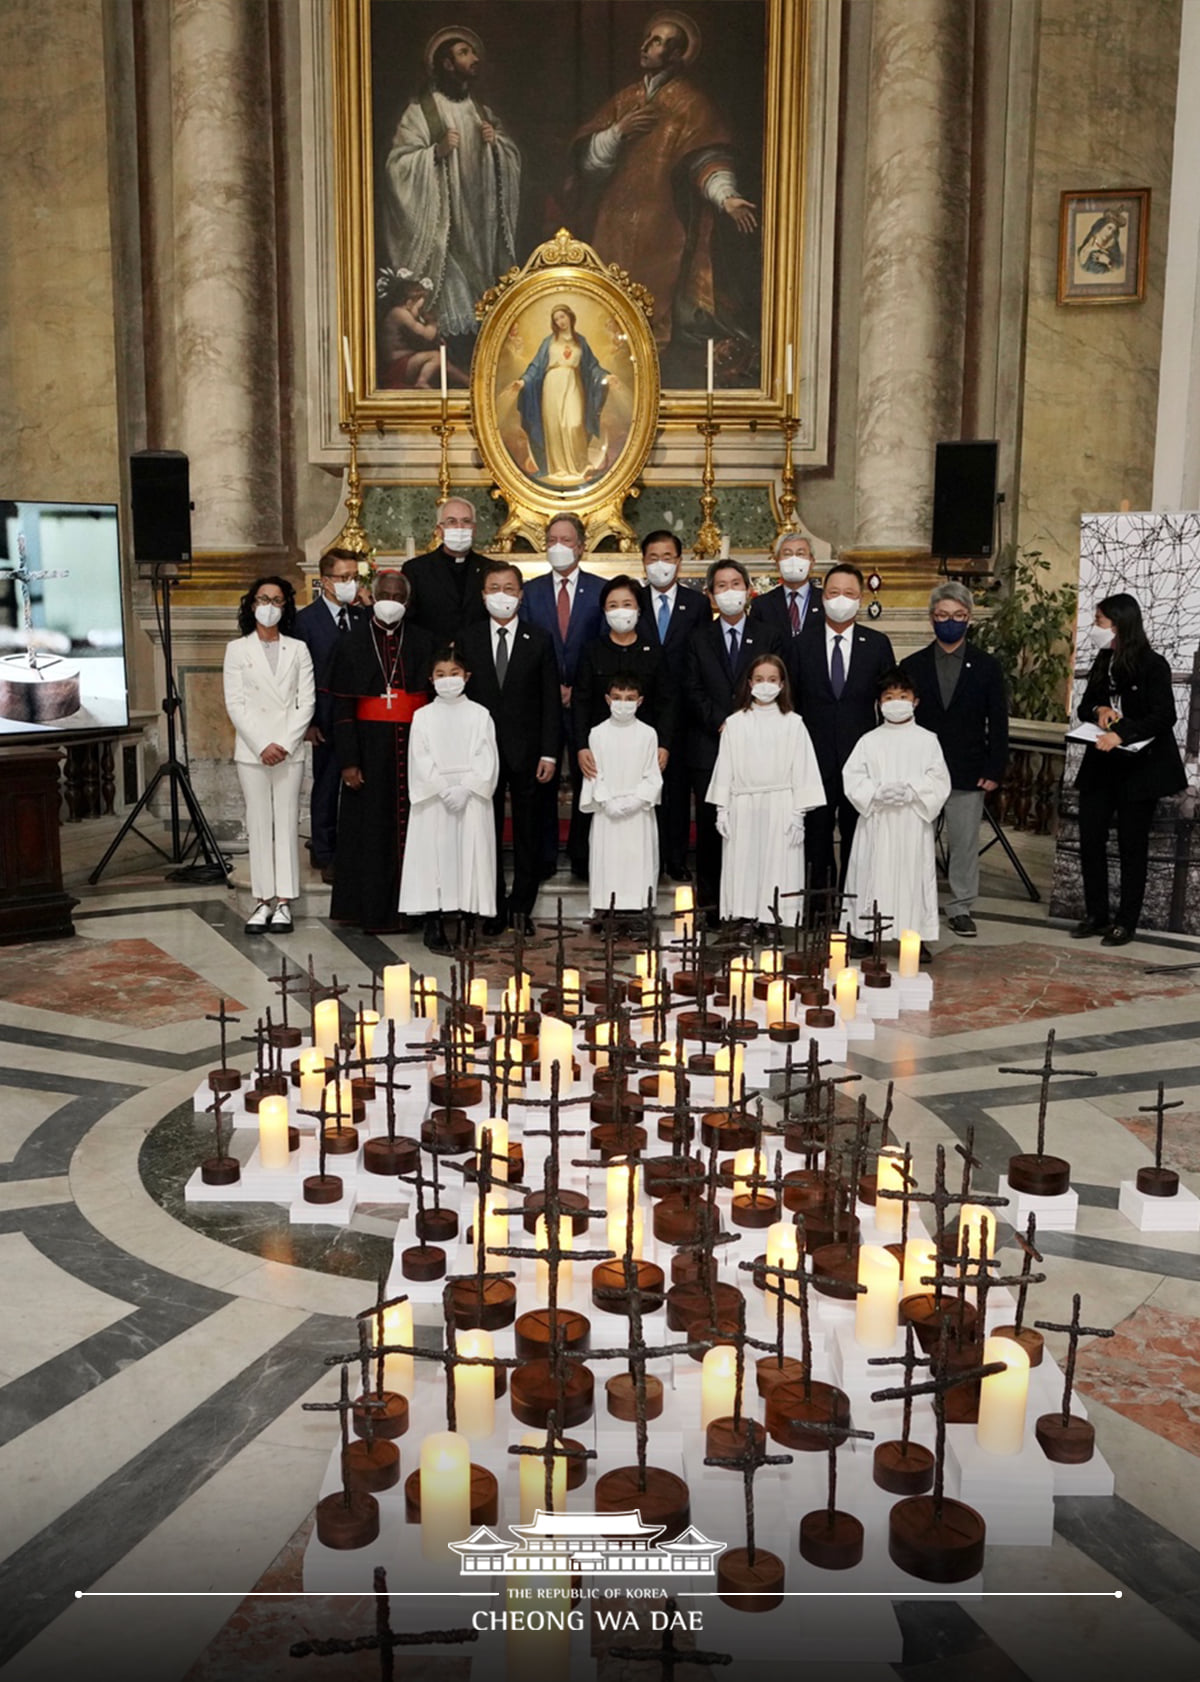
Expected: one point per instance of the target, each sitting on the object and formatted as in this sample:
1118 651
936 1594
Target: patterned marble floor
153 1362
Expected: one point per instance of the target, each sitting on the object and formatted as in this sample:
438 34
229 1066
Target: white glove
454 799
625 805
723 822
795 829
891 794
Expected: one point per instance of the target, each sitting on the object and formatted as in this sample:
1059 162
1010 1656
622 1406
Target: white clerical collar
653 83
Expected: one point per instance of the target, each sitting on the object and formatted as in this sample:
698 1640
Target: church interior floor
153 1360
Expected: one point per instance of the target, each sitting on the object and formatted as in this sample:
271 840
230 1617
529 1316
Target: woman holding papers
1130 765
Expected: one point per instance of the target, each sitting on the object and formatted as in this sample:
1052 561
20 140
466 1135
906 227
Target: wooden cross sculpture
901 1193
392 1153
283 1034
794 1398
555 1447
1158 1181
349 1518
385 1640
322 1187
830 1539
482 1298
220 1169
1064 1436
224 1079
1031 1341
388 1408
666 1655
750 1571
925 1312
903 1467
1037 1174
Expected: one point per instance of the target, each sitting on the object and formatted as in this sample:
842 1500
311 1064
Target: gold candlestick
444 431
785 508
352 537
708 538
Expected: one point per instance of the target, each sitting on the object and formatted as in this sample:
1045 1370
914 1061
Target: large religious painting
470 131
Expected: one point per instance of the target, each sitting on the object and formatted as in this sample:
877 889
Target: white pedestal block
851 1364
862 1028
882 1004
1180 1213
915 991
1054 1214
1014 1493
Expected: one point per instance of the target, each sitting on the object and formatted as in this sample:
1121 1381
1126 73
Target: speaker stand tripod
212 865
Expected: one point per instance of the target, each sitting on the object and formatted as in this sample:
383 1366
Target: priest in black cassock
379 678
447 583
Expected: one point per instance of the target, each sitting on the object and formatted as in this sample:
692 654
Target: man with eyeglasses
964 701
321 626
447 582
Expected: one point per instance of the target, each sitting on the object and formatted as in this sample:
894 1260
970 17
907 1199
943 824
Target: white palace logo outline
594 1544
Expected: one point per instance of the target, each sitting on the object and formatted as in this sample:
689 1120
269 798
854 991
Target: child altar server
450 855
622 796
765 779
897 779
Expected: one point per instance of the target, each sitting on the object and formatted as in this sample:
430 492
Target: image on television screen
62 641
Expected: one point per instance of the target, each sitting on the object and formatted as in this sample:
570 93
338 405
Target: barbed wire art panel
1155 557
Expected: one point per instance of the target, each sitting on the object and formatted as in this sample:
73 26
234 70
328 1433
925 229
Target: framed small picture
1102 246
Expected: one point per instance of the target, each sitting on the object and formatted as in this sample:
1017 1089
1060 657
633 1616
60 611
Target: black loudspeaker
964 501
162 508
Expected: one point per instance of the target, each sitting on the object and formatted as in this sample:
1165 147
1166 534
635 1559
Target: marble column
915 241
226 314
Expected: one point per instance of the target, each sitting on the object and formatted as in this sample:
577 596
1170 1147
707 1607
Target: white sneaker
259 920
281 922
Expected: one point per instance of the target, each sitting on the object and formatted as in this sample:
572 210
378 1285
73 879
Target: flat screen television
62 635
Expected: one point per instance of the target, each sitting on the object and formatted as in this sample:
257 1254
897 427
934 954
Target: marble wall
1104 115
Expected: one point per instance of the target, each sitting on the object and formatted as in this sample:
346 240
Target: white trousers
272 796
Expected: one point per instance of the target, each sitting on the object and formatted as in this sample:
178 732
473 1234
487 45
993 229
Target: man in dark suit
672 613
319 626
565 603
447 583
515 676
797 597
717 656
836 664
964 701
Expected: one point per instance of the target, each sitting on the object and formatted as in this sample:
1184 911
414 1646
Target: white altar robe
892 859
623 858
450 857
766 771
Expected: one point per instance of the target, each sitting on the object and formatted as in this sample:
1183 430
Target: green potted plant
1029 630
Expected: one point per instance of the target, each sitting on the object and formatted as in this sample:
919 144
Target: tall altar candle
846 994
837 953
910 954
445 1495
875 1316
475 1388
889 1176
1003 1397
709 387
718 1384
327 1016
533 1480
349 366
398 1372
273 1133
556 1044
442 359
788 387
397 993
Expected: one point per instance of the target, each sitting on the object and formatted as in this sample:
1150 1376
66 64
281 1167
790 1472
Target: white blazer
268 706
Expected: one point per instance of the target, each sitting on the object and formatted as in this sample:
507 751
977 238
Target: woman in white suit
269 696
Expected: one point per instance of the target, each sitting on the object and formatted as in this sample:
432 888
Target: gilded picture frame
565 392
747 61
1102 241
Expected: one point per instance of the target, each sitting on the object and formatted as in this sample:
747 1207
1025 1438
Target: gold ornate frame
782 217
515 316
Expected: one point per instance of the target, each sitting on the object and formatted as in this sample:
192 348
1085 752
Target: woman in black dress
621 649
1128 695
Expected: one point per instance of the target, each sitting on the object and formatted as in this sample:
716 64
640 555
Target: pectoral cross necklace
389 693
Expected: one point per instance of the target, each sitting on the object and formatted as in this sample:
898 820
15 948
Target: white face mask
896 712
561 557
268 614
449 688
662 573
766 692
794 569
623 710
1103 636
345 590
730 601
500 604
840 608
621 619
389 612
457 538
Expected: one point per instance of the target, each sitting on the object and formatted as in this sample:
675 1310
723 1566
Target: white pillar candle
875 1315
837 953
556 1044
889 1176
533 1480
974 1219
783 1250
770 961
397 993
495 1229
517 995
541 1242
1003 1397
498 1128
718 1384
339 1101
398 1372
685 906
475 1388
777 1002
846 994
445 1495
744 1162
365 1024
910 954
572 991
273 1133
645 965
477 996
426 990
727 1074
510 1057
312 1079
602 1038
666 1075
326 1026
616 1203
920 1262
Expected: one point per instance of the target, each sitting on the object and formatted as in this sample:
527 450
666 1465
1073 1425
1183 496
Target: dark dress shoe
523 922
1087 927
435 935
1118 935
925 956
492 926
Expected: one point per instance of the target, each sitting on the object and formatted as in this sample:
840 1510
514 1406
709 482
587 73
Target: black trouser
1097 808
674 813
581 823
819 861
524 791
323 809
708 843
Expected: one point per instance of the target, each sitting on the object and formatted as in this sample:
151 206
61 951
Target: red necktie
793 613
564 610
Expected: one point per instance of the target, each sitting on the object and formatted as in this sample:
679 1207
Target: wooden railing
1028 797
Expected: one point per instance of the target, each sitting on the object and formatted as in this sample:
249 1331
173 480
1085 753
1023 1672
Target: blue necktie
664 618
837 670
